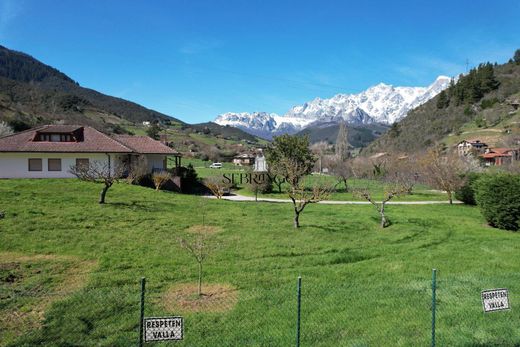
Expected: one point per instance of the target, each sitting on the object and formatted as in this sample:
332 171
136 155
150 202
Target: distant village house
466 147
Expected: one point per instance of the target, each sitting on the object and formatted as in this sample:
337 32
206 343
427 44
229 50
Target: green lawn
420 192
77 265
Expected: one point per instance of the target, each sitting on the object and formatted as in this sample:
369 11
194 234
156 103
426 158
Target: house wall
155 161
16 165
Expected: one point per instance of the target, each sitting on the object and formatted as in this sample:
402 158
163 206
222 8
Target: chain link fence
327 314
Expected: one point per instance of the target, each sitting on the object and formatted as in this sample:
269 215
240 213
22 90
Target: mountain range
380 104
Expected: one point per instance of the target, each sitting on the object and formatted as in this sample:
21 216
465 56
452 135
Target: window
54 164
35 165
82 162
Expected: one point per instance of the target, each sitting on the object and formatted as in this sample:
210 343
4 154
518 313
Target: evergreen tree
517 56
342 145
443 101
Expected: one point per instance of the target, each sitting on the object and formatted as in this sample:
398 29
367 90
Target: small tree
199 247
99 172
159 178
217 186
153 131
342 169
137 169
390 191
443 172
297 191
380 178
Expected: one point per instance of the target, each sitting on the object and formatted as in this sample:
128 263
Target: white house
49 151
466 146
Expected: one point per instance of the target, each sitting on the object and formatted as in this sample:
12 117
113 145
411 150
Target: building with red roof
50 151
500 156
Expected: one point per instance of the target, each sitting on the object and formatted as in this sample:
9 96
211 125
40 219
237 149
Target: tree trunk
103 194
296 219
200 280
346 186
450 198
383 217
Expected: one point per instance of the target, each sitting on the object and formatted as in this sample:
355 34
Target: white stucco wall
155 161
16 165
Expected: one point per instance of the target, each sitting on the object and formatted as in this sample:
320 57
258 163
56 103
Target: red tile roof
144 145
94 141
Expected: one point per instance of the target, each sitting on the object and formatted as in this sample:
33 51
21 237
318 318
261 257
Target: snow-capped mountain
378 104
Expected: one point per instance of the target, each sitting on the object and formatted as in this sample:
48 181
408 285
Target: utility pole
467 65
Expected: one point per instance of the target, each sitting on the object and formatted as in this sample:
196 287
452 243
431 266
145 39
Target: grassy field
70 270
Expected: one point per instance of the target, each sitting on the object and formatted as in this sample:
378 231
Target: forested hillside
479 103
35 93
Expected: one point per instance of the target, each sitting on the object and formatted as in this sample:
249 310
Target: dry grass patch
29 284
204 229
214 298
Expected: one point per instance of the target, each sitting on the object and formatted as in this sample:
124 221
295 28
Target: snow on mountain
378 104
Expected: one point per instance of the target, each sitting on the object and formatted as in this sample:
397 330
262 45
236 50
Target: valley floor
70 270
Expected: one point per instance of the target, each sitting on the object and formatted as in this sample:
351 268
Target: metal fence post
299 311
434 303
141 320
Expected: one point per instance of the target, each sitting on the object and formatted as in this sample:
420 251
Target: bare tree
443 171
342 169
159 178
137 169
319 149
381 179
217 186
299 195
5 129
404 171
390 191
200 246
99 172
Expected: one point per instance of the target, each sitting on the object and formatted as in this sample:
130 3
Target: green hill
480 104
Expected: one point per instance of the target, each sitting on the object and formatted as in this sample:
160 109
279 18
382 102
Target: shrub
466 193
498 198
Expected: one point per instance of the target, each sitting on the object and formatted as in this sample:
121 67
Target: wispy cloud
199 46
9 11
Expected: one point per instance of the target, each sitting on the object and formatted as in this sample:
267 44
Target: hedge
498 197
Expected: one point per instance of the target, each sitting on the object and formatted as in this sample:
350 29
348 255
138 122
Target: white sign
165 328
495 300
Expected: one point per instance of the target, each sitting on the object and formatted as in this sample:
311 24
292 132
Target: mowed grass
362 286
420 192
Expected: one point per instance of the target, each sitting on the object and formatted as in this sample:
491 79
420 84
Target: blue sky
196 59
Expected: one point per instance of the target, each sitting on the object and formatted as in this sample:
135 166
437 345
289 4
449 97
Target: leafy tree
291 158
285 152
516 57
153 131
